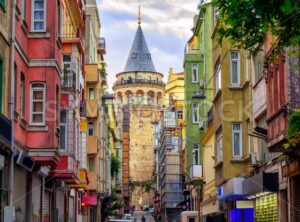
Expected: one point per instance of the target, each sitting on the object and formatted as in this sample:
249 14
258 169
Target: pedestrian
143 219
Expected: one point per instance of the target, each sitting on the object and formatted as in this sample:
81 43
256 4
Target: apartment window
195 113
91 128
91 164
237 140
218 76
134 55
38 17
1 82
219 146
258 60
140 98
235 67
196 154
67 62
63 130
179 114
194 73
130 99
91 93
57 106
248 136
37 104
22 96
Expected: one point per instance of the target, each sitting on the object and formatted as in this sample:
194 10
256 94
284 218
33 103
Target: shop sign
89 201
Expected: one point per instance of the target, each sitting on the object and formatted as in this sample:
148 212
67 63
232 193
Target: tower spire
139 15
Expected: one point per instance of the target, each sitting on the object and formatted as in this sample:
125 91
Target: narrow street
138 216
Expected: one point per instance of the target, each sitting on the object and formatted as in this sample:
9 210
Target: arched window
140 95
150 97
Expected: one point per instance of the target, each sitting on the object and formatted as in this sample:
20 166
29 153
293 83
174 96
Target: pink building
37 70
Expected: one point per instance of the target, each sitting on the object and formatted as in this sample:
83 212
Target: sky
166 25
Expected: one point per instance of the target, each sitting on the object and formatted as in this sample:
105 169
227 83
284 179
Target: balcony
139 81
67 170
71 35
91 108
92 145
196 172
5 131
101 47
68 81
91 73
93 181
83 108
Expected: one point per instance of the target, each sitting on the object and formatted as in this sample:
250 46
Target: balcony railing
5 130
68 81
139 81
196 171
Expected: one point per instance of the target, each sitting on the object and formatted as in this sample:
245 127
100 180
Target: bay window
38 17
37 103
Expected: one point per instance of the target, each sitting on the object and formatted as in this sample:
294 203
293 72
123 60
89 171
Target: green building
198 94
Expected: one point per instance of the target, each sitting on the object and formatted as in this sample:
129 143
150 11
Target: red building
37 72
283 97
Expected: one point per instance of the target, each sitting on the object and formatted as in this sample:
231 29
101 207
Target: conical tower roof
139 58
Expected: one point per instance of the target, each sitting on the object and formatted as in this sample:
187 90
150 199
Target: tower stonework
139 93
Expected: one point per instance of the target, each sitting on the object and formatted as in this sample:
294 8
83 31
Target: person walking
143 219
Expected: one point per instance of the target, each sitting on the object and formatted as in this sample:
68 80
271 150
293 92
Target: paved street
138 216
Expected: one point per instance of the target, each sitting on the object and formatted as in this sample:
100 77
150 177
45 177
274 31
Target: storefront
262 189
234 201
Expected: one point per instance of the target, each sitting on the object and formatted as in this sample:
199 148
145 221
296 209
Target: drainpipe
12 102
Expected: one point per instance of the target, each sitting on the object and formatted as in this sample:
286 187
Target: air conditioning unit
25 161
254 159
201 125
202 84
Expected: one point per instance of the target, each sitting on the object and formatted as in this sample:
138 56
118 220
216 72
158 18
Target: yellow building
232 117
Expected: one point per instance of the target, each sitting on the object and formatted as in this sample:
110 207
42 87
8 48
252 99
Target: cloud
166 24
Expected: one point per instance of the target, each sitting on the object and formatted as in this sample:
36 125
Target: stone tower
138 91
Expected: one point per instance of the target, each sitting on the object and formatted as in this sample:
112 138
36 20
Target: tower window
149 56
134 55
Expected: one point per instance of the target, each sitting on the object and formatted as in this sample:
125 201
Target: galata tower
138 92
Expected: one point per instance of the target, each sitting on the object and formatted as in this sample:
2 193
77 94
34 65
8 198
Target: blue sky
166 24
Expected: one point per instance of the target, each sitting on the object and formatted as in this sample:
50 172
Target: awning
261 182
83 179
233 189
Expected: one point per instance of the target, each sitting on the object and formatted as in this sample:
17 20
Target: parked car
151 210
146 207
128 217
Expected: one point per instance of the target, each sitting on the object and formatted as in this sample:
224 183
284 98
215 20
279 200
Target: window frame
196 156
179 113
195 66
93 90
237 60
22 95
139 98
130 99
198 116
240 155
31 103
89 163
219 145
92 124
218 76
32 17
66 129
